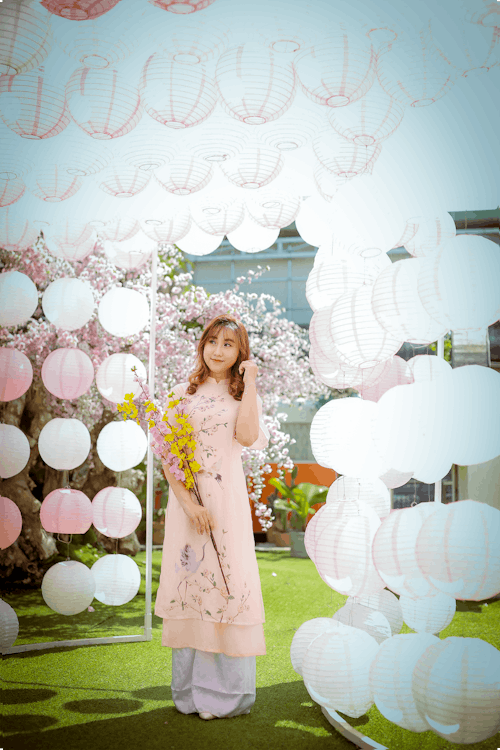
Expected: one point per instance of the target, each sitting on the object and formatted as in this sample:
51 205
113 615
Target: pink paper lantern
25 37
371 119
16 374
11 190
395 373
66 511
176 95
181 7
81 10
11 522
255 84
122 180
67 373
32 106
256 166
185 175
103 103
52 183
116 512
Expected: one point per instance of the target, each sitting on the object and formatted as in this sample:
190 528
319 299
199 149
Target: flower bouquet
171 443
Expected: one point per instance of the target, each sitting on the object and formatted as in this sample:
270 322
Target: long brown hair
236 385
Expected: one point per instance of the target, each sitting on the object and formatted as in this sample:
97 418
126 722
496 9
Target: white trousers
204 681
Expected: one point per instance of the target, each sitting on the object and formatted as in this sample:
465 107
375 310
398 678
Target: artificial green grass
116 697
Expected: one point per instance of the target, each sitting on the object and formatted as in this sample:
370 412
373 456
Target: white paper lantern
391 674
386 602
130 253
114 377
24 37
305 635
428 614
296 128
395 373
68 587
364 618
68 303
18 298
336 668
394 478
272 208
341 157
32 106
16 233
425 234
370 491
121 445
193 44
313 223
198 242
217 139
425 367
116 512
52 183
251 237
119 229
117 579
122 180
472 48
123 312
456 689
14 450
97 44
9 626
458 550
64 444
185 175
254 167
167 227
334 277
218 213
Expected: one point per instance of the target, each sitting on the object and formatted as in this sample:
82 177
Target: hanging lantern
14 451
313 223
370 120
185 175
117 579
428 614
88 90
181 6
64 444
331 279
114 377
198 242
337 71
370 491
251 237
425 234
10 191
273 208
24 37
81 10
457 550
122 180
66 511
122 445
123 312
68 303
391 673
67 373
364 618
386 602
328 367
16 373
255 85
32 106
256 166
336 667
485 13
16 233
147 147
327 183
130 253
305 635
394 553
218 213
217 139
68 234
11 521
192 45
471 49
169 227
97 44
176 95
68 587
456 691
341 157
393 478
18 298
119 230
295 129
425 367
52 183
116 512
396 373
9 626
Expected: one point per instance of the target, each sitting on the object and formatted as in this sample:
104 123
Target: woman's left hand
250 371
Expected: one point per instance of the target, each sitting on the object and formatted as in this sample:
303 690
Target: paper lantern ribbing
371 119
116 512
103 103
393 550
64 444
67 373
181 6
456 690
370 491
80 10
16 233
14 451
397 373
119 229
425 234
194 44
123 312
383 601
184 175
168 228
484 13
217 139
9 626
295 129
458 550
11 191
336 667
176 95
337 71
11 521
341 157
18 298
255 85
272 208
391 674
16 374
97 44
24 37
121 180
52 183
305 635
66 511
364 618
254 167
327 183
117 579
334 277
218 213
114 376
251 237
472 48
428 614
33 107
121 445
68 587
68 303
459 285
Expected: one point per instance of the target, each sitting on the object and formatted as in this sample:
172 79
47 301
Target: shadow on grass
16 696
104 706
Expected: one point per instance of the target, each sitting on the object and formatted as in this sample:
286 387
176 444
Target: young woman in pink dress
211 604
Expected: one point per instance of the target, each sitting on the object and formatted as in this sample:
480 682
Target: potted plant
299 501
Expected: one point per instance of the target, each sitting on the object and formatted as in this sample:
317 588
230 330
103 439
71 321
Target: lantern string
116 546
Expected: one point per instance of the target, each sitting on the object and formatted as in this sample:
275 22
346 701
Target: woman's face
220 353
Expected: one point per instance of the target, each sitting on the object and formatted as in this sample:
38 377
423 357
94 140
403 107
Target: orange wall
313 473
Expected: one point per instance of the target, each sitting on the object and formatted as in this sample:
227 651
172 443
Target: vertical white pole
148 617
438 486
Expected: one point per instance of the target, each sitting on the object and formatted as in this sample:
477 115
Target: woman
211 604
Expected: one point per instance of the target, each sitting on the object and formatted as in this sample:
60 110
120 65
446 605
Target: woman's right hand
200 519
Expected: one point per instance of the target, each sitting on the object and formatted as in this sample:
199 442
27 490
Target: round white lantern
218 212
458 550
64 443
123 312
16 233
336 668
428 367
121 180
395 373
386 602
305 635
251 237
9 626
370 491
114 377
122 445
313 223
185 174
254 167
25 37
14 450
394 478
18 298
273 208
169 227
131 253
334 277
359 616
117 579
425 234
391 674
68 303
67 373
116 512
119 230
68 587
456 689
428 614
198 242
